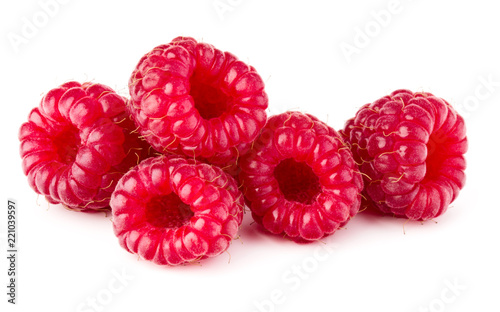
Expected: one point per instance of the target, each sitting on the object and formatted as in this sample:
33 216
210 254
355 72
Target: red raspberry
299 179
77 144
193 96
410 148
172 210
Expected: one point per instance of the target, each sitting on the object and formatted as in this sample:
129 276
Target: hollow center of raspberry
297 181
67 143
436 155
167 211
209 100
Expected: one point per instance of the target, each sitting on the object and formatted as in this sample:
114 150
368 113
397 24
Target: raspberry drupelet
410 148
299 179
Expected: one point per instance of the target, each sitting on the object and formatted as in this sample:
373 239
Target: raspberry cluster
178 161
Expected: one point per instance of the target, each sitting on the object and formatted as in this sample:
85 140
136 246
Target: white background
449 48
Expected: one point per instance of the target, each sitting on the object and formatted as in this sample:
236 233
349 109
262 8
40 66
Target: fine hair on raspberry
172 210
189 96
299 178
77 143
410 148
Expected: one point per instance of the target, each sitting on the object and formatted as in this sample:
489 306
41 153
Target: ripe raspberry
77 144
299 179
172 210
410 147
193 96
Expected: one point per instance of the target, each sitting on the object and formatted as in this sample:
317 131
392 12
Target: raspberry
410 148
173 210
77 144
299 179
194 97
